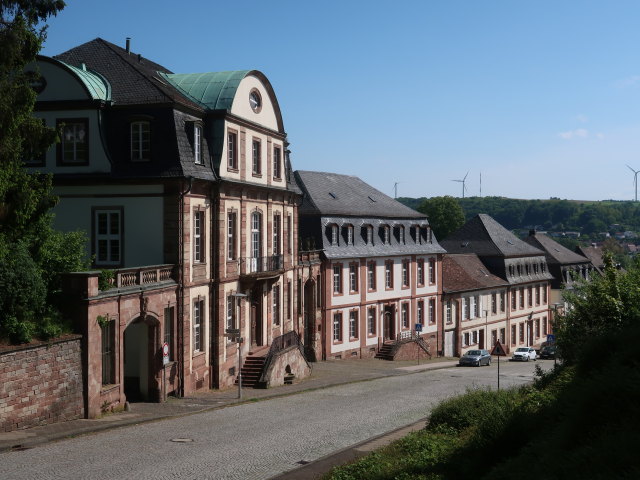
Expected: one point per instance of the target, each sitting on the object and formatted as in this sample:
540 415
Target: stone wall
287 365
41 384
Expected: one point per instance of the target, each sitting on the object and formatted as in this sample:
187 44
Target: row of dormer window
345 234
528 269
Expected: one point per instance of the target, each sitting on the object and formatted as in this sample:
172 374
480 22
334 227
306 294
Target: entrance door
136 362
256 320
389 331
449 343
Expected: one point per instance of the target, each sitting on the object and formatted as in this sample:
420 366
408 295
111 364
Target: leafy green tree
445 215
32 254
603 306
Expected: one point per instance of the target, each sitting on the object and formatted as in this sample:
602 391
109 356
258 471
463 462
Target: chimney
532 233
83 65
128 44
139 58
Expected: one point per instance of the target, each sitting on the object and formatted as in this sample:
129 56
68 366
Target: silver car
475 358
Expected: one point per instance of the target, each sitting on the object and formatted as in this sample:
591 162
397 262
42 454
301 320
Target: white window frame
353 278
140 132
198 236
232 151
197 145
353 324
256 157
371 320
198 333
109 237
277 161
275 294
277 228
337 327
337 279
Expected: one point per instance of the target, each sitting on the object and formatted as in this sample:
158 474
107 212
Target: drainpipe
180 335
213 289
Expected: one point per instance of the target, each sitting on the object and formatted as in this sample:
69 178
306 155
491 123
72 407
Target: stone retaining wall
41 384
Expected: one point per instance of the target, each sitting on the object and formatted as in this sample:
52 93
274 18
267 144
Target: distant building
381 267
521 266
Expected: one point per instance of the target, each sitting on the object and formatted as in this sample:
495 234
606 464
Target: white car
524 354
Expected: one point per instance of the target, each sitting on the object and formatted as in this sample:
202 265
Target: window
337 327
289 300
544 326
371 320
474 336
514 303
494 303
334 235
521 297
232 151
521 332
198 312
108 357
401 234
513 334
405 273
388 274
108 237
465 339
432 271
231 311
537 294
255 155
140 141
502 335
73 148
275 293
353 324
529 296
289 233
371 275
502 301
420 272
432 310
544 294
385 235
494 337
466 308
256 239
420 312
405 315
197 144
231 235
353 278
537 328
369 235
449 312
168 329
198 236
277 225
337 279
349 231
476 301
277 162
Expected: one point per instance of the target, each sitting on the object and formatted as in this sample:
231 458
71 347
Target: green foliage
444 213
105 280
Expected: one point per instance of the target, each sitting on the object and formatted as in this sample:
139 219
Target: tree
32 254
445 215
599 308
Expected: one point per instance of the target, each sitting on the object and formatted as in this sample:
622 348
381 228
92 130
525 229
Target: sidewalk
324 374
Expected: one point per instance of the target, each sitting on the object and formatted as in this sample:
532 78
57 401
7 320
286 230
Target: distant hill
586 217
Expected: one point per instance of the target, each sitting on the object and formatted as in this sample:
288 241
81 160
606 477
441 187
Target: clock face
255 101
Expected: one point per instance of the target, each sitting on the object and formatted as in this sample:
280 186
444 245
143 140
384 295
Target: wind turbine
635 179
464 187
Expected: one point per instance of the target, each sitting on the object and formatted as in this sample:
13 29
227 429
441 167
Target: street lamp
238 333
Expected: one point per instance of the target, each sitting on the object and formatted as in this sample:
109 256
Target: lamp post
237 297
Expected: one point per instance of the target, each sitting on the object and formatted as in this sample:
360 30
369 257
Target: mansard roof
485 237
555 252
464 272
345 195
134 79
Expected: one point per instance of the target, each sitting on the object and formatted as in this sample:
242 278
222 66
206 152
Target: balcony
261 268
141 276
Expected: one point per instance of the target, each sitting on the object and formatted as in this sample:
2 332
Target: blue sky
541 98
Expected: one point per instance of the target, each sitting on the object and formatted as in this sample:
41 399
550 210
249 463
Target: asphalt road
257 440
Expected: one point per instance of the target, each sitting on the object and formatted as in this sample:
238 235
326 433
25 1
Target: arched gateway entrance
142 361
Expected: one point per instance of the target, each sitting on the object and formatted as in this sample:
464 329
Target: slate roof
134 79
554 252
485 237
594 254
346 195
464 272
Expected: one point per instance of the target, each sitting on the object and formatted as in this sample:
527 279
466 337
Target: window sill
108 388
256 175
232 170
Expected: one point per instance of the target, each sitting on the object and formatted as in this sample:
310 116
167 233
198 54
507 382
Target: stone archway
141 361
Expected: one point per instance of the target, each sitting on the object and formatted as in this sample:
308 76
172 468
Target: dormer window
349 234
367 234
73 148
197 145
334 235
401 234
386 234
140 141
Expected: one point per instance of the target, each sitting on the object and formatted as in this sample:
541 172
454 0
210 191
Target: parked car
548 351
475 358
524 354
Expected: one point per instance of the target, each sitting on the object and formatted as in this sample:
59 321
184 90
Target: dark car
548 351
475 358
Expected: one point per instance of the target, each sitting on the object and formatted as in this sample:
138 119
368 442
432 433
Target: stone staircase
251 371
386 351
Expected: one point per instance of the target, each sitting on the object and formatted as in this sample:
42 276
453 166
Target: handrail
279 344
271 263
131 277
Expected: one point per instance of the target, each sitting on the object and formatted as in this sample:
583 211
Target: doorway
256 318
136 361
388 323
309 320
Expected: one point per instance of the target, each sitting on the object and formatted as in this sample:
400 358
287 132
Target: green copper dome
213 90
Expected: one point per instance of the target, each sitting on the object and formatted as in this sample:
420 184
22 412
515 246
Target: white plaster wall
61 84
241 107
143 219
